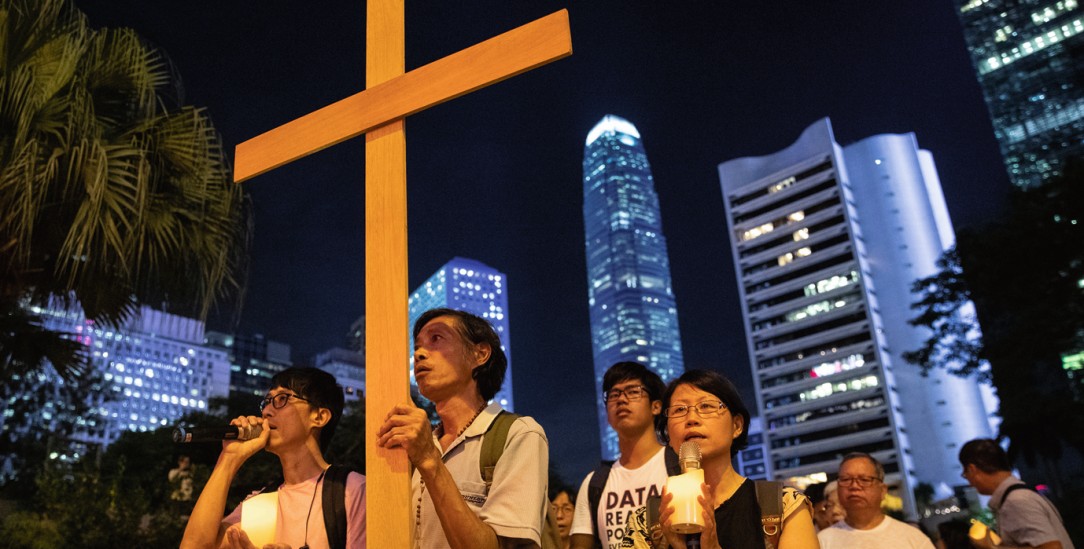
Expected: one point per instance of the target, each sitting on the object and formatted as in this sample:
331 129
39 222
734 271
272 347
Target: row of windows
823 390
800 234
824 369
826 263
834 455
781 185
829 183
841 431
827 411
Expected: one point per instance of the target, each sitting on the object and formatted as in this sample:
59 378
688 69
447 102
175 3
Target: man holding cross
459 365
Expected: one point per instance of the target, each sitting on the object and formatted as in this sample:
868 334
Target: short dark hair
474 330
563 489
626 371
877 467
718 385
320 389
986 454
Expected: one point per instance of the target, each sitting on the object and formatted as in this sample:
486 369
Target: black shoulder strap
673 463
334 502
594 493
493 442
1012 489
770 500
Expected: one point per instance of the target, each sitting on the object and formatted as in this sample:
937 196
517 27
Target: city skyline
496 175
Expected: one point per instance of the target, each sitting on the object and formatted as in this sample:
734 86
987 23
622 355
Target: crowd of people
467 495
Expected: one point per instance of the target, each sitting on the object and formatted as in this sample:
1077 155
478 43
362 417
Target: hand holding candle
259 518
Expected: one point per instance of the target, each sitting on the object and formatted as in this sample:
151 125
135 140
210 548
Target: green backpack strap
770 500
493 442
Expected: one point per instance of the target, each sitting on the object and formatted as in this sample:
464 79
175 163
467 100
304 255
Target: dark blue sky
496 175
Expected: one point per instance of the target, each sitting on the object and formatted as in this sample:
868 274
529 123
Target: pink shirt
294 501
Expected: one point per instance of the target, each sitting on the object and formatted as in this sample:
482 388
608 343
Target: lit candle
687 517
259 516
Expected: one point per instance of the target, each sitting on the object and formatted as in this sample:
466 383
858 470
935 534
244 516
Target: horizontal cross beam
503 56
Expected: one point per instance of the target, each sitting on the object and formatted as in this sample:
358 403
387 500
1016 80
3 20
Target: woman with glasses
704 407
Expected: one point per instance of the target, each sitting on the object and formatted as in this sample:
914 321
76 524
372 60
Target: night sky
496 175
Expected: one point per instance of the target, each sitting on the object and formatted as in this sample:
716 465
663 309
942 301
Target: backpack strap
594 493
1012 489
334 502
770 500
673 462
493 442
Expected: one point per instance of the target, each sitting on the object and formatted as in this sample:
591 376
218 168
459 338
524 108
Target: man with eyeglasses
633 397
861 489
297 419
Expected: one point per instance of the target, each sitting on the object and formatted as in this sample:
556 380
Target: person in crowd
180 479
861 490
298 419
952 534
831 494
828 511
459 366
1024 517
633 397
705 407
563 504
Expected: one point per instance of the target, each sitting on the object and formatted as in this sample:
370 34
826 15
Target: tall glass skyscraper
477 288
1028 59
827 241
633 312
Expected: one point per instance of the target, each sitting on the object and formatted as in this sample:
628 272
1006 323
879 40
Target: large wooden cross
378 112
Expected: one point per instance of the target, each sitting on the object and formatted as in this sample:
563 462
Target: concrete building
827 241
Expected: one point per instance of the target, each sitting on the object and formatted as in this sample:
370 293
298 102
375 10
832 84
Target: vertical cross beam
386 285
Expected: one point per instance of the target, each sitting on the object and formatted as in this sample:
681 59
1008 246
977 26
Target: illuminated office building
631 301
827 241
472 286
254 360
155 369
1028 59
348 367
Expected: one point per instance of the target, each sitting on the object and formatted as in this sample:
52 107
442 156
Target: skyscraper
826 241
633 312
1027 56
477 288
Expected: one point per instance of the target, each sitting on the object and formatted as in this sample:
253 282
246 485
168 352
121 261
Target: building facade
630 296
155 369
254 360
348 367
827 241
1027 56
472 286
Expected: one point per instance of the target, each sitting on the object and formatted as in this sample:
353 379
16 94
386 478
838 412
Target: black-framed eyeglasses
861 482
704 408
279 401
632 392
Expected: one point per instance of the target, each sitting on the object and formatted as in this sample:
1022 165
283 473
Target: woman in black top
704 406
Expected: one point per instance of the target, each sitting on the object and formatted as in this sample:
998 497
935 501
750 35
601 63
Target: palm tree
112 193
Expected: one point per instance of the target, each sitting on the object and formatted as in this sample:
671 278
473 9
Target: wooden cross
378 112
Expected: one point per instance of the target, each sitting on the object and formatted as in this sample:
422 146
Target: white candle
687 517
259 516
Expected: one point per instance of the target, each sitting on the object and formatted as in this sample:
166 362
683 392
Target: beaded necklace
421 494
